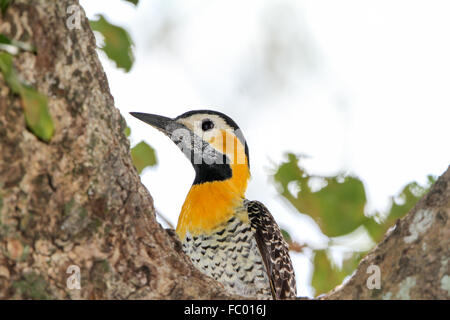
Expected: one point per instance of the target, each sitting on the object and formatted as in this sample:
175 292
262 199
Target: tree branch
413 256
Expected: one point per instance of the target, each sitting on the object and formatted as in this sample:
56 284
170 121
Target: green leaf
135 2
12 46
289 171
5 45
400 205
326 276
350 263
375 229
4 39
118 45
127 131
143 156
7 69
338 207
341 205
407 198
4 4
37 115
34 104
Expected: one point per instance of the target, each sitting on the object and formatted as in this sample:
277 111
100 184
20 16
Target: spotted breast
232 257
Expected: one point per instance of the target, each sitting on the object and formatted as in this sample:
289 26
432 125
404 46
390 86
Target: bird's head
211 140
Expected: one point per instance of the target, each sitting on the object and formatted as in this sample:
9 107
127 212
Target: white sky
376 102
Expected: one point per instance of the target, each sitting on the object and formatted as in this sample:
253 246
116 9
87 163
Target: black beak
164 124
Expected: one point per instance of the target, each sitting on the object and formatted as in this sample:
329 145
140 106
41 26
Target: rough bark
79 201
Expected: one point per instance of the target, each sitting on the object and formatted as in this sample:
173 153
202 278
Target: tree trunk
78 200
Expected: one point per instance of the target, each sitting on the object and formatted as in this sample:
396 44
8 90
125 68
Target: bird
227 237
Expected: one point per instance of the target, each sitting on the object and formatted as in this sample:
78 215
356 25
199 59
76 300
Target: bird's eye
207 125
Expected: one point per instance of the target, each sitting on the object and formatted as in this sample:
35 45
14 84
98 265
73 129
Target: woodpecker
229 238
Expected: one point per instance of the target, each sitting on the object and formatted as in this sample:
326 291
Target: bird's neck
211 203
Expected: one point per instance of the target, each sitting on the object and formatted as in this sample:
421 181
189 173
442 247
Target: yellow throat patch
211 204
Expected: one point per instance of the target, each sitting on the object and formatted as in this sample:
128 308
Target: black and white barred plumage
248 255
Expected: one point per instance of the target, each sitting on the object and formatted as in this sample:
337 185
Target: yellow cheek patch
227 143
